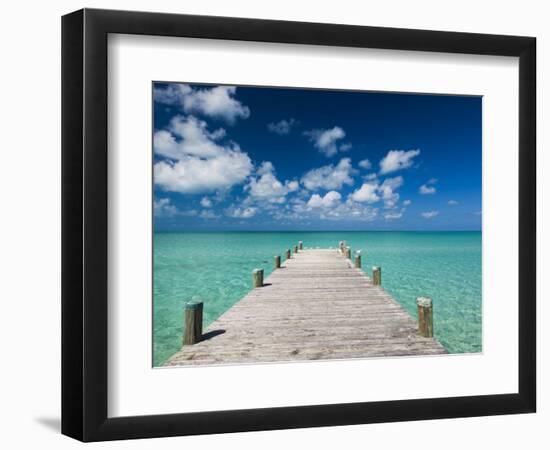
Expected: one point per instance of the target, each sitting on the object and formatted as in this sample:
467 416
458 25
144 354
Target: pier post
358 260
277 262
425 316
341 247
257 278
288 254
300 245
193 323
295 249
348 252
377 276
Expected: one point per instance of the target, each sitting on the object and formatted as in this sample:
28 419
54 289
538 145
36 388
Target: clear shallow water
216 267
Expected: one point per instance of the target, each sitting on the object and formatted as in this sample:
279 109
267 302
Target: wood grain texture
303 313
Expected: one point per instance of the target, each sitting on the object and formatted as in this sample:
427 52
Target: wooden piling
287 254
277 262
425 316
193 323
357 260
257 278
295 249
377 276
341 247
348 252
300 245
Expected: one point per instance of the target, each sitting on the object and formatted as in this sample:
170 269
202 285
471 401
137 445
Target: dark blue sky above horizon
255 158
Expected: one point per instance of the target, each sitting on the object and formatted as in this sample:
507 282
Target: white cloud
329 177
172 94
365 164
217 102
429 214
189 136
292 185
201 163
350 211
328 207
393 215
387 190
208 214
206 202
283 126
242 212
370 177
397 160
163 208
268 187
195 175
366 193
330 200
452 203
406 202
371 192
345 147
326 141
426 190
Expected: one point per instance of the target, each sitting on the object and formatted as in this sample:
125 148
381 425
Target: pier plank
316 306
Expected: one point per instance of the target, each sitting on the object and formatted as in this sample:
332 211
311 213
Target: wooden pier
317 305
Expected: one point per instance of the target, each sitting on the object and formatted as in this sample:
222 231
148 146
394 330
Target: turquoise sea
216 268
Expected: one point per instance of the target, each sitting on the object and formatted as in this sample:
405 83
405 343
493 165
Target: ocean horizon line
314 231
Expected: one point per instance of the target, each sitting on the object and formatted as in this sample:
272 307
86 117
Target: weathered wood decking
316 306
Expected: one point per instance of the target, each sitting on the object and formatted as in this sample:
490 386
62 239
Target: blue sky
255 158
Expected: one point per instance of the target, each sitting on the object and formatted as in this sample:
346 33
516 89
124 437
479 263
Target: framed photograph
273 224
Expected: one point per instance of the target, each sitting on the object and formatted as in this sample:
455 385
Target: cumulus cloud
241 212
372 191
329 177
366 193
198 161
429 214
387 190
163 208
284 126
370 177
427 190
326 141
406 202
393 215
365 164
196 175
329 200
206 202
216 102
452 202
208 214
268 187
327 207
189 136
345 147
172 94
397 160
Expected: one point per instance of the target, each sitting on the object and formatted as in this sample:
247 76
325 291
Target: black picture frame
84 224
